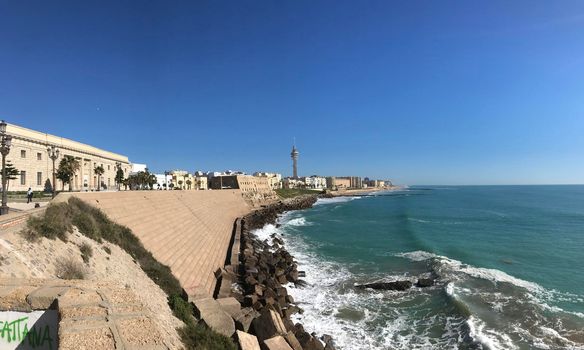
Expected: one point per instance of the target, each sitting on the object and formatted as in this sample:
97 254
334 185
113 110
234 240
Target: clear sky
422 92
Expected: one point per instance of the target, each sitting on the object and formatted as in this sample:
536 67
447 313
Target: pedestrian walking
29 195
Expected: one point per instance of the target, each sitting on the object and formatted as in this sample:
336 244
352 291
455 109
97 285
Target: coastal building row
333 183
29 155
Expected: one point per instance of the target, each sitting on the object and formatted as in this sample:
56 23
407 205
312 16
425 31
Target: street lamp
5 143
53 154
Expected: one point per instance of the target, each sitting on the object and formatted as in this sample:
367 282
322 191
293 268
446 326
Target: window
39 156
39 178
108 167
22 154
23 177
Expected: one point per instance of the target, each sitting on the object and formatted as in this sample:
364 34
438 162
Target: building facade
274 179
29 155
338 183
289 183
253 188
315 182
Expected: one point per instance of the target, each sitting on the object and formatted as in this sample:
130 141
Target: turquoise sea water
509 263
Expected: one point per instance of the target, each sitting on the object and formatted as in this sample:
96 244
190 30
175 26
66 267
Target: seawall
190 231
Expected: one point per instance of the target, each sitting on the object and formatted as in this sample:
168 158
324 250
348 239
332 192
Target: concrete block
13 298
277 343
268 325
212 314
230 305
244 318
247 341
43 297
293 341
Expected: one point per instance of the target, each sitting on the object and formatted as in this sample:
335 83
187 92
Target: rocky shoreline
265 267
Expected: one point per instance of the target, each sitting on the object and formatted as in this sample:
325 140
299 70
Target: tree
119 179
99 170
171 186
67 168
189 183
11 173
48 186
180 182
141 180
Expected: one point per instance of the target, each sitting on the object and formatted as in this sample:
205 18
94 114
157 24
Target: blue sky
422 92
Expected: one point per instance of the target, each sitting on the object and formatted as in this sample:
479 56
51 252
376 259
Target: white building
162 182
315 182
293 183
136 168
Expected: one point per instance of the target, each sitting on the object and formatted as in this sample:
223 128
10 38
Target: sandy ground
21 259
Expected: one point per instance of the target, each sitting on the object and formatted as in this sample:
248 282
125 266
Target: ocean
508 262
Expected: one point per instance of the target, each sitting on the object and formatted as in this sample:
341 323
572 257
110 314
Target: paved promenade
189 231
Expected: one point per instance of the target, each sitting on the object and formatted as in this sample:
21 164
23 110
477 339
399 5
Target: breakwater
266 268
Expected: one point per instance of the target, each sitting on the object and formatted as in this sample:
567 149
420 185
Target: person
29 195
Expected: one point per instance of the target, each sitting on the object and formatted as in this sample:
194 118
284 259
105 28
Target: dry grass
86 252
70 269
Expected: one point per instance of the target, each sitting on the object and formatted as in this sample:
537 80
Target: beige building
274 179
201 183
338 183
29 155
182 179
253 188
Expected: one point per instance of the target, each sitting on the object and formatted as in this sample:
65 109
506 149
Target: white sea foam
493 275
264 232
322 201
489 338
418 255
301 221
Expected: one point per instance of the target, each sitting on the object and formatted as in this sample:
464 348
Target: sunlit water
509 262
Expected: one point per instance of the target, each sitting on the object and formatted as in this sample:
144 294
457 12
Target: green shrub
56 222
198 337
181 308
85 224
86 252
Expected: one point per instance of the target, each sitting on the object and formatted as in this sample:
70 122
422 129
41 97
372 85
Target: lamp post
53 154
5 143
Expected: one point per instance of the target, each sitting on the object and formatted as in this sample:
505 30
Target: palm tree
189 183
99 171
180 182
67 168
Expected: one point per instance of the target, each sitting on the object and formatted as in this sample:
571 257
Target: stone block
212 314
292 341
247 341
268 325
14 298
98 338
139 332
244 318
230 305
277 343
43 297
